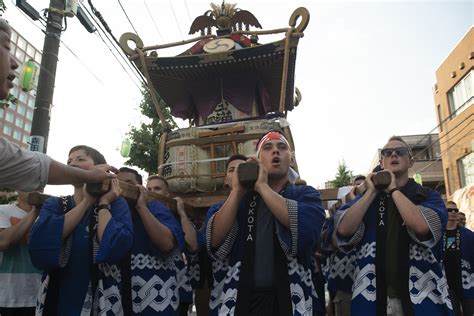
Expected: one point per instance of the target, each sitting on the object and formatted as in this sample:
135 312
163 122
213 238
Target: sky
365 70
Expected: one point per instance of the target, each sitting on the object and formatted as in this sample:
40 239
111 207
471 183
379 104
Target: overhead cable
153 20
176 19
126 15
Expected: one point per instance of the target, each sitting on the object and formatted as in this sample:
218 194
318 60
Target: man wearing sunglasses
459 261
397 235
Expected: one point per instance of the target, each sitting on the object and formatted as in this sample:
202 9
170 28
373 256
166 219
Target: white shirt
19 280
22 169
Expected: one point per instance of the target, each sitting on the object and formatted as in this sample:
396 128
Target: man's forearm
62 174
225 218
355 214
74 216
11 236
411 215
103 218
160 235
189 233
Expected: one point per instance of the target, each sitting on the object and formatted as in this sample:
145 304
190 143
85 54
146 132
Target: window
440 118
30 50
38 57
7 130
466 170
31 103
12 106
215 151
21 109
420 153
25 139
14 37
1 112
20 55
17 134
23 97
21 43
14 91
222 151
462 95
29 115
448 178
9 117
19 122
27 127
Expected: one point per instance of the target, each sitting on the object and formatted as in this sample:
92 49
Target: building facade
454 105
16 119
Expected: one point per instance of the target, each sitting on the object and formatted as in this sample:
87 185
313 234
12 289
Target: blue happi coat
338 266
467 262
194 270
70 258
219 271
427 285
185 290
306 217
154 275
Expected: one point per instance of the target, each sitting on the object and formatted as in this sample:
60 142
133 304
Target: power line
434 143
153 20
459 132
119 52
125 12
83 64
104 23
187 10
115 42
438 159
176 19
105 43
116 58
437 126
67 47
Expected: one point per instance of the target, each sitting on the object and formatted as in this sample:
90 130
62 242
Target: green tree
343 175
7 196
10 100
3 7
145 139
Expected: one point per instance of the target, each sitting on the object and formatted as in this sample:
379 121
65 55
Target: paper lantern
29 75
125 148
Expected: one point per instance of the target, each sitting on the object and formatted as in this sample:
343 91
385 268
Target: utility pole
44 95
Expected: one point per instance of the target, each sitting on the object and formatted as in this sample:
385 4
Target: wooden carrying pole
129 191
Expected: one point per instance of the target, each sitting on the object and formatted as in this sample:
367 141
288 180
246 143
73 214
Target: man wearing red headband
267 235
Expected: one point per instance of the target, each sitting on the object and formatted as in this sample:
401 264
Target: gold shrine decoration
224 17
138 49
300 12
129 36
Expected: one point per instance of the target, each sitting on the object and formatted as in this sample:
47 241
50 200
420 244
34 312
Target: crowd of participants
268 250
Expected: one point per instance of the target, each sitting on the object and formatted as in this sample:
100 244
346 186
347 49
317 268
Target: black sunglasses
453 209
399 151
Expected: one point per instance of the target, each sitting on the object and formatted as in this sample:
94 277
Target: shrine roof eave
171 76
